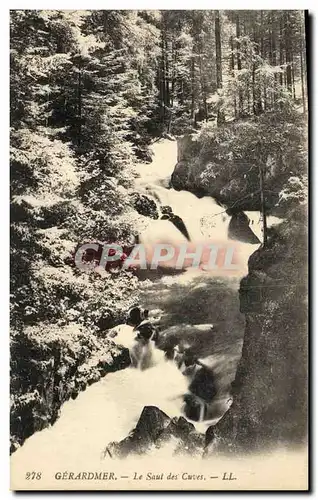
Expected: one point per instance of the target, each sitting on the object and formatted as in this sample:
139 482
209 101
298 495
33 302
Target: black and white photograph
159 250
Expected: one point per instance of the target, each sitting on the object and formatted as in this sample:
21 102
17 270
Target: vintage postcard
159 166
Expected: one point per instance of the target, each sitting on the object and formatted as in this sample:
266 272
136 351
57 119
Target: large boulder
240 230
155 430
192 407
150 425
188 147
203 384
189 441
184 174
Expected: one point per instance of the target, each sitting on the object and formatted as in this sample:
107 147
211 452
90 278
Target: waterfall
109 409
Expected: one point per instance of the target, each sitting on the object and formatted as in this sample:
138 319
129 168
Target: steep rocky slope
270 388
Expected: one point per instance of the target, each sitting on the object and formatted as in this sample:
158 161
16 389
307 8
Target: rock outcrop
270 388
240 230
155 430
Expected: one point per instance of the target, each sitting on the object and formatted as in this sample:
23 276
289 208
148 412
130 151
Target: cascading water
188 305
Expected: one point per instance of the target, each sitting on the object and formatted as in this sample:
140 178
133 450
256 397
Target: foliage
224 162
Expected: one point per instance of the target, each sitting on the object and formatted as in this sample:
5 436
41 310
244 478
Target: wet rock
156 429
136 315
144 205
151 423
187 148
175 220
210 441
192 407
203 385
209 435
183 178
189 440
240 230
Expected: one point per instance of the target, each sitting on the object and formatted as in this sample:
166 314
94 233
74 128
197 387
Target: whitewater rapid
109 409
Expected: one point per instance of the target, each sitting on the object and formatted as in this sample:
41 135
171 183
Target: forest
90 92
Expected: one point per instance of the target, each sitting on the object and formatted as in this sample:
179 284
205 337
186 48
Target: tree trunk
239 63
273 57
257 92
232 73
163 80
218 49
265 98
172 96
79 106
192 87
288 53
281 50
202 84
293 77
302 72
253 89
167 75
262 200
263 58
